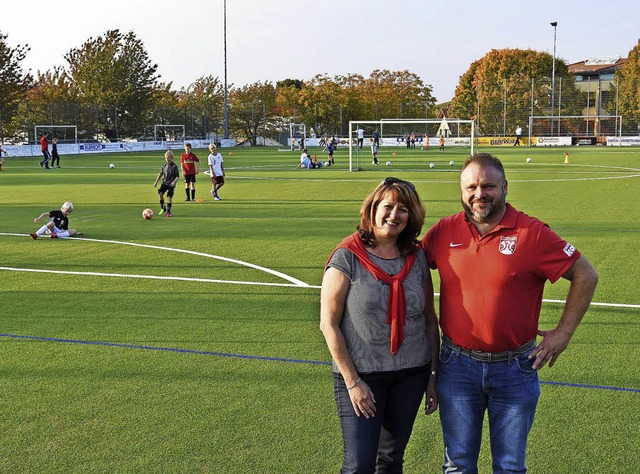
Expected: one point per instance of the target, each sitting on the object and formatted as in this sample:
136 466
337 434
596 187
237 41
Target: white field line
284 276
295 283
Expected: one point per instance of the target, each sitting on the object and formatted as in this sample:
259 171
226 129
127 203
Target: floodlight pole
226 100
553 74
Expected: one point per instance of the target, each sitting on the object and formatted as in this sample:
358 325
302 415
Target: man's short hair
484 160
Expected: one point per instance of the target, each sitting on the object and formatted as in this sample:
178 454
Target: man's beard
487 214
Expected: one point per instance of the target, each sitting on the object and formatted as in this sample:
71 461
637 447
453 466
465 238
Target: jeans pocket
446 353
525 365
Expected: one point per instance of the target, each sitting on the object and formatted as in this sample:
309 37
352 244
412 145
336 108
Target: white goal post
64 133
393 132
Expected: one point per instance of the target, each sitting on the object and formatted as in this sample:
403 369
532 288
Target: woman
378 320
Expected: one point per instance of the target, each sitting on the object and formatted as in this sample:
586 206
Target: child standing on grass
170 175
55 158
190 168
216 168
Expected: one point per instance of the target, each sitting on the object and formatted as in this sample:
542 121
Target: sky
272 40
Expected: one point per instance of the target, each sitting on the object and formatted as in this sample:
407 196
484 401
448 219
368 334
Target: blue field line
165 349
272 359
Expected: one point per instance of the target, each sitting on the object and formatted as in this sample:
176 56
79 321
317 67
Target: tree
114 75
13 87
628 88
49 100
205 101
496 90
250 108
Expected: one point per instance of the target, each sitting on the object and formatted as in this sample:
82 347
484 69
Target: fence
592 104
496 108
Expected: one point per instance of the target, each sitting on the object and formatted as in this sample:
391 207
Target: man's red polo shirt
491 287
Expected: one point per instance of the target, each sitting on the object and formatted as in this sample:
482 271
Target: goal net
297 135
174 135
64 133
575 126
411 142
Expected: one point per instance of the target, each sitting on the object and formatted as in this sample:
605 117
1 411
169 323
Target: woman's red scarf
397 307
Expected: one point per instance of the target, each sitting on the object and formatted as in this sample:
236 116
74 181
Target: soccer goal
575 127
172 134
64 133
297 135
414 135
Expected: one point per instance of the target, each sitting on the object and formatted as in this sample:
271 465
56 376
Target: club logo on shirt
569 249
507 245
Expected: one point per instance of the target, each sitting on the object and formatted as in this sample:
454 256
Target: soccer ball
388 163
528 160
451 163
147 214
112 165
432 165
326 163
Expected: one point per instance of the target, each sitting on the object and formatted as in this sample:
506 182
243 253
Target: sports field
191 344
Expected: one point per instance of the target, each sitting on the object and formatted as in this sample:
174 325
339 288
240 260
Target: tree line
110 89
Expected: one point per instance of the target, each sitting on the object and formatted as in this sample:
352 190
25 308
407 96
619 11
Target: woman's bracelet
355 383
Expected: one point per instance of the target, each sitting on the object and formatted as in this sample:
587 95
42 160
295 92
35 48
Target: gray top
364 322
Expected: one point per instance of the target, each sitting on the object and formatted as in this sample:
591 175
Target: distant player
55 158
1 160
170 175
376 137
360 133
44 146
190 168
330 149
518 135
374 151
305 160
216 169
58 225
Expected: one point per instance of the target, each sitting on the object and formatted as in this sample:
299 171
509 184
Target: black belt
489 356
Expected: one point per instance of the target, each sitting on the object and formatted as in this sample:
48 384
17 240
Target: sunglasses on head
391 180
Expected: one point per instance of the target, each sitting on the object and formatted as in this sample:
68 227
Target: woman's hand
362 399
431 400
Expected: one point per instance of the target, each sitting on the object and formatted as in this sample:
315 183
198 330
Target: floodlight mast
553 74
226 101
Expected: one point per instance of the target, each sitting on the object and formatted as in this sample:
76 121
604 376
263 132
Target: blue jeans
508 390
377 444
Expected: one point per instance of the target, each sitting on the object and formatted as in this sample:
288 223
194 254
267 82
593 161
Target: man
216 170
44 146
189 170
376 137
170 175
493 263
58 225
518 135
360 133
